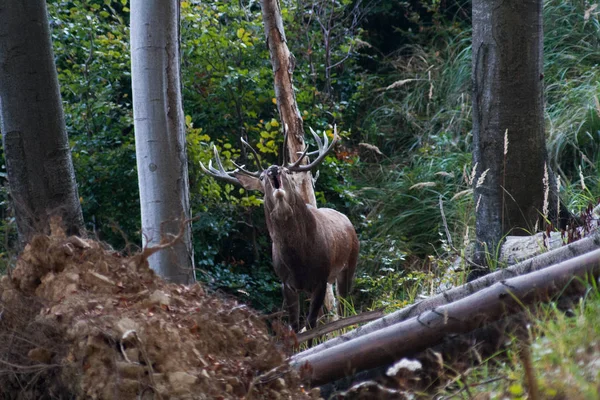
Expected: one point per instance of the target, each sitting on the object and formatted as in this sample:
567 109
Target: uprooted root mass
79 321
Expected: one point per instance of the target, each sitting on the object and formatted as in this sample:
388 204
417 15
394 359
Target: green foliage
389 289
90 40
228 93
419 115
572 73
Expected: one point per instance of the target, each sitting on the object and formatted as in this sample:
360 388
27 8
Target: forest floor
80 321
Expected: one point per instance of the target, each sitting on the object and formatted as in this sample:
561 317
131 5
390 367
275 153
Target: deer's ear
249 182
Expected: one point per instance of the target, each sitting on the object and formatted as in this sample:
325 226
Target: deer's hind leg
344 282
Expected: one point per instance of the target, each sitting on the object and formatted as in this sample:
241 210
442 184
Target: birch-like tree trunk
160 134
36 147
508 100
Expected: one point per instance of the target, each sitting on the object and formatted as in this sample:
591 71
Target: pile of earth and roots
78 320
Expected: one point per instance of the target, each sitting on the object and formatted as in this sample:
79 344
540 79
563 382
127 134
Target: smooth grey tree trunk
36 147
160 135
507 98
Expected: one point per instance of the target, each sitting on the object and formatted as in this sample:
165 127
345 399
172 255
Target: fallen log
534 264
386 345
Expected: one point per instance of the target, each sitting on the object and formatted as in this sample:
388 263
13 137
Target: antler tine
256 157
285 139
318 139
219 173
324 149
299 160
242 169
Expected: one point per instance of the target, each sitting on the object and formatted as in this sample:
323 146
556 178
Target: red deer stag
311 246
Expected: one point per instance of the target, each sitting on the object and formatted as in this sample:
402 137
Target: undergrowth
565 355
420 118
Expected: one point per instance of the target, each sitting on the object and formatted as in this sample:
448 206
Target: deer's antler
324 149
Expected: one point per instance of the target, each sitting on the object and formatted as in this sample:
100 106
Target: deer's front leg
290 297
316 305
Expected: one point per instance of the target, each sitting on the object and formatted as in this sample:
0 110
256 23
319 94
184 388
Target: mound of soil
80 321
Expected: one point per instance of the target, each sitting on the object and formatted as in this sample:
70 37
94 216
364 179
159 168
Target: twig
144 353
267 377
35 367
164 242
445 222
472 385
340 324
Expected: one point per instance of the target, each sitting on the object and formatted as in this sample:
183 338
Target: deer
312 247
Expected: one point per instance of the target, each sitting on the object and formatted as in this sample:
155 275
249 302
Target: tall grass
420 116
572 73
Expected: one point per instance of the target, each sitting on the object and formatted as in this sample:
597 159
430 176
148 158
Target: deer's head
276 182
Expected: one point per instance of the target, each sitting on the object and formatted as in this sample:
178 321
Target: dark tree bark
36 147
508 99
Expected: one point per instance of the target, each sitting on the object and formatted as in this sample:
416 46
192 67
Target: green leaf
240 33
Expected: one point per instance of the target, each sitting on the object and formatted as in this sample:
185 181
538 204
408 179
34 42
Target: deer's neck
291 222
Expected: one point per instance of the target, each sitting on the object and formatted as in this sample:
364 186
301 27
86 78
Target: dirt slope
79 321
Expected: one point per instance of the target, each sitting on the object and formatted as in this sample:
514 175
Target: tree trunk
283 66
36 146
537 263
507 98
160 134
429 328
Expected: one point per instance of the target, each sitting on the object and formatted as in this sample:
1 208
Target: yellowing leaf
274 123
240 33
515 389
185 4
274 100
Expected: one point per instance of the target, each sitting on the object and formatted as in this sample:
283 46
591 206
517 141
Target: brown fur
311 246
